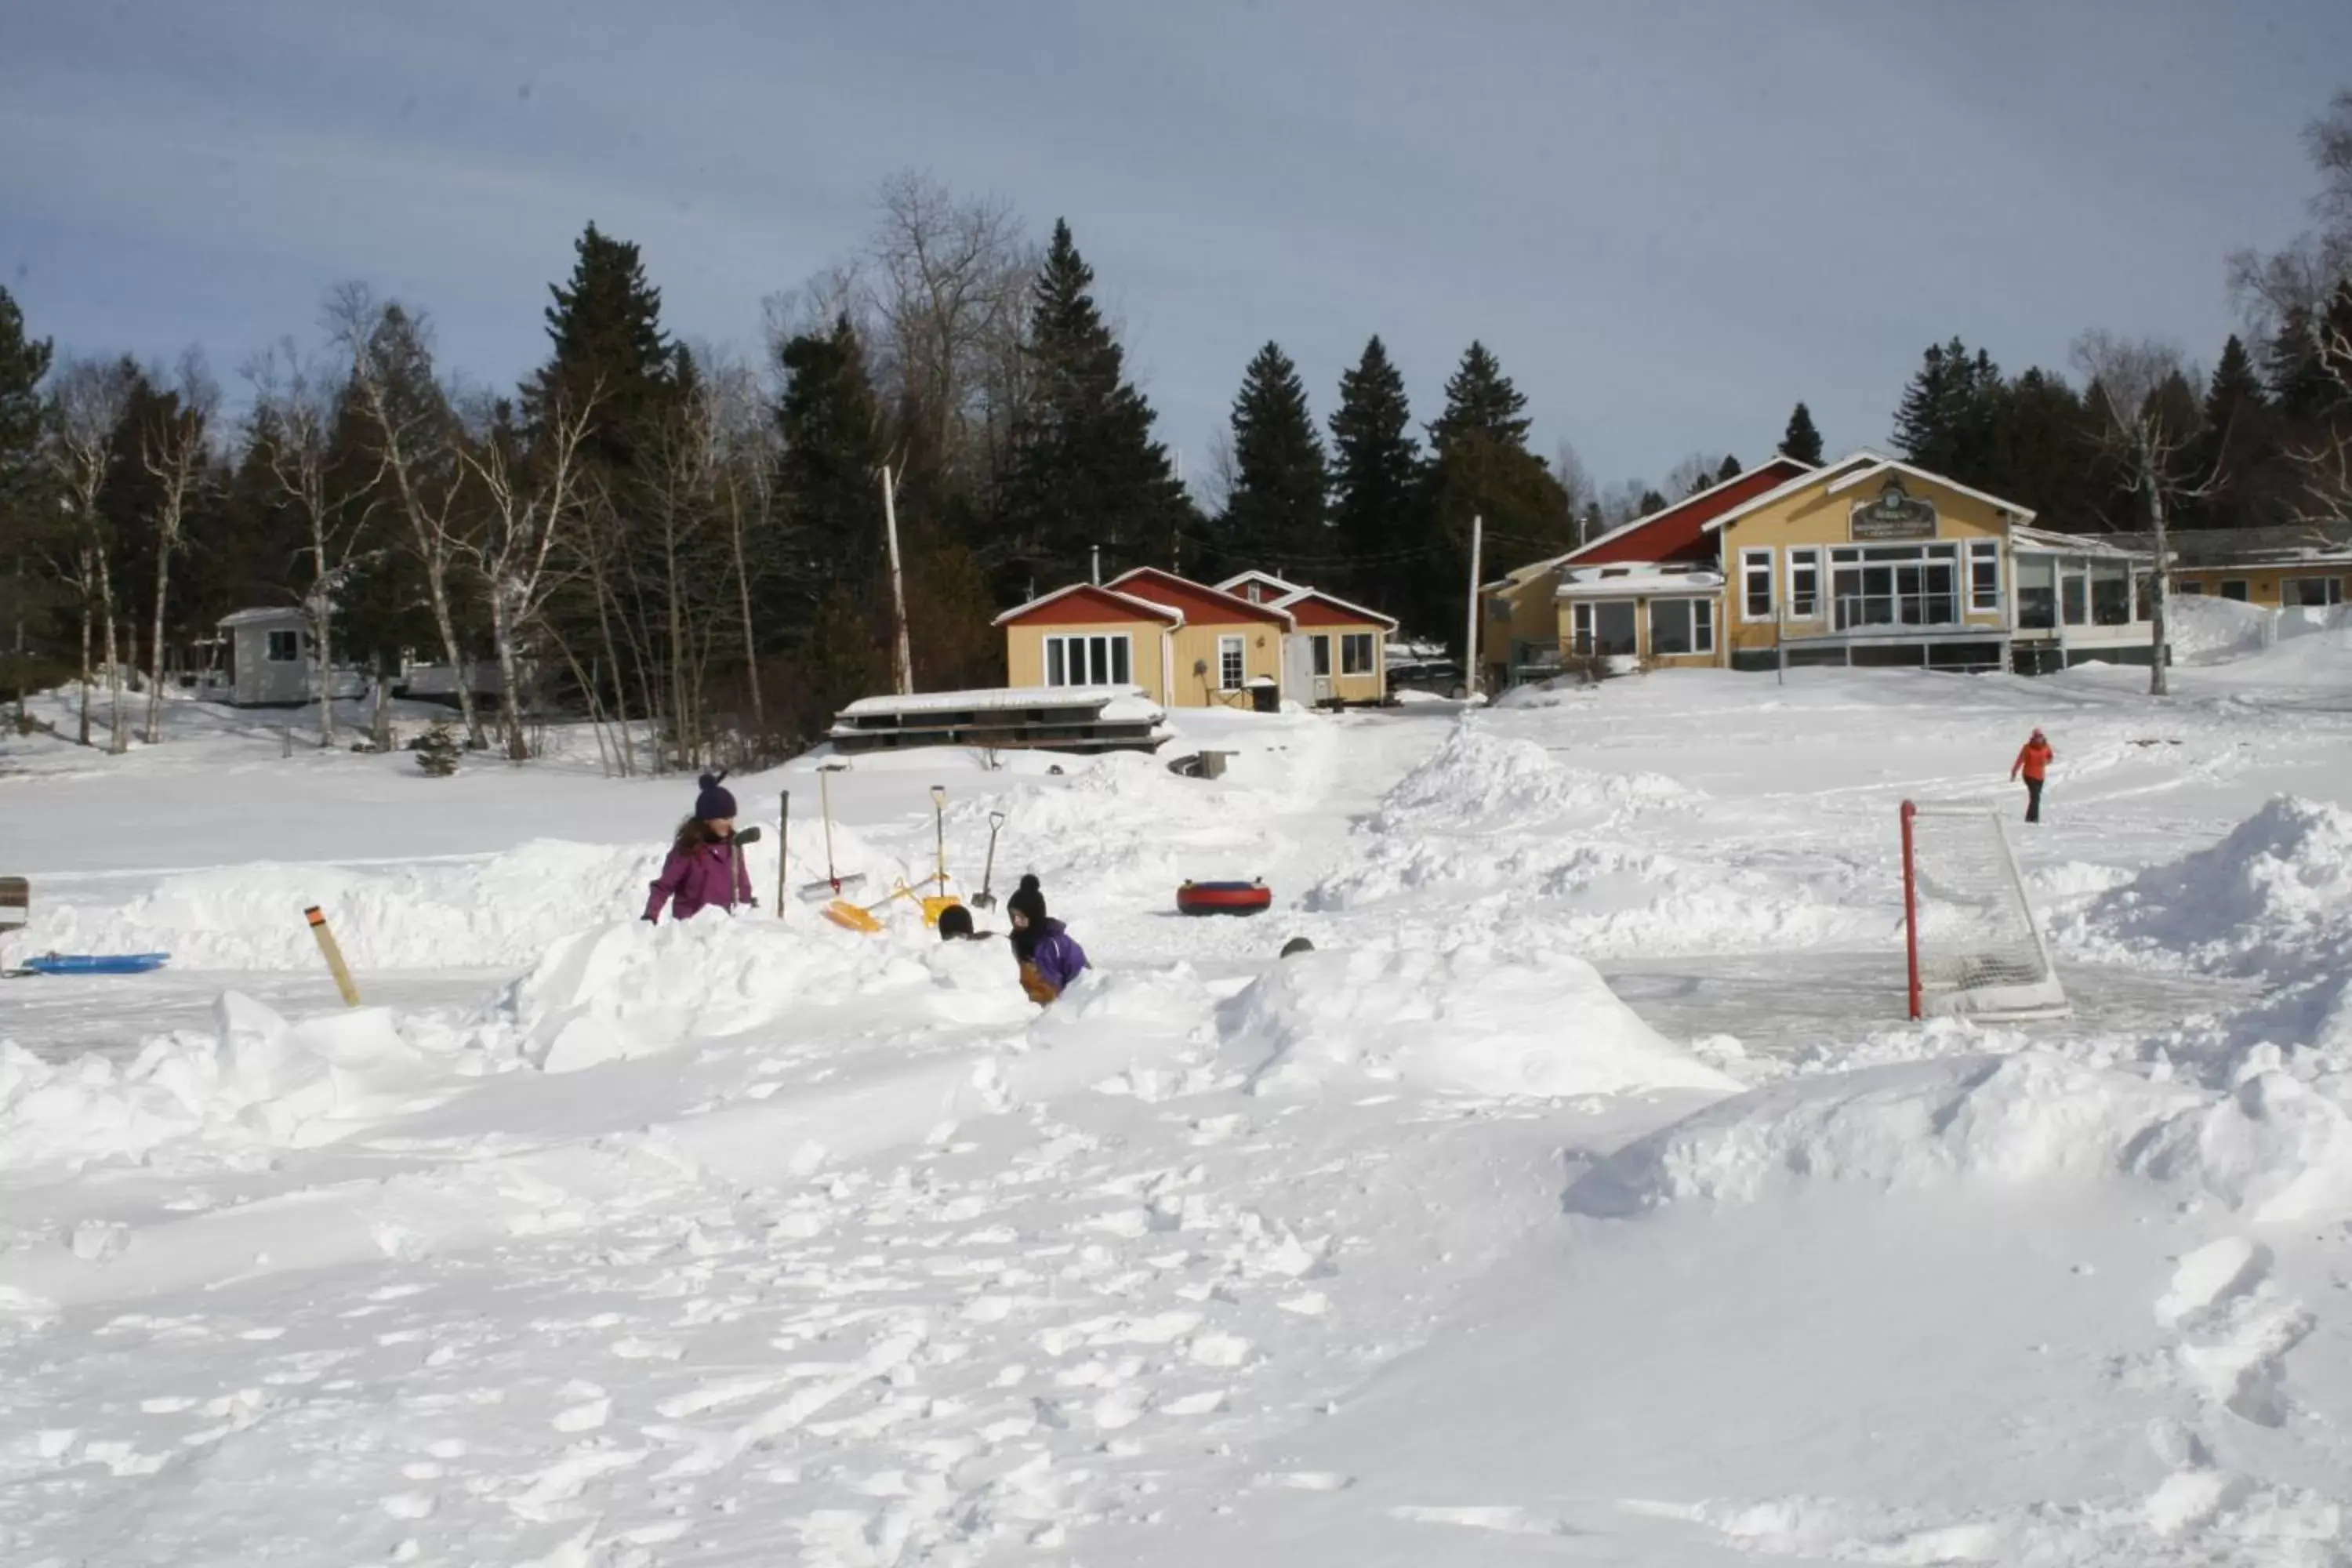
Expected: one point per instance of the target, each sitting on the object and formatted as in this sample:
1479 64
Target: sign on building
1895 515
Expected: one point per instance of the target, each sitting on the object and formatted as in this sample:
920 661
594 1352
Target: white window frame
1755 566
1064 654
1809 557
1353 642
2331 590
1984 550
1702 625
1233 662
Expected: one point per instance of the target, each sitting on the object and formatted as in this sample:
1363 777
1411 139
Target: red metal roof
1679 533
1202 604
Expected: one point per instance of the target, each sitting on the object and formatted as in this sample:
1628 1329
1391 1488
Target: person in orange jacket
2033 761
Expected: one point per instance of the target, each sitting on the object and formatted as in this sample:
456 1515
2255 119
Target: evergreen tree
831 471
606 326
1652 501
1375 479
1729 472
1275 517
1480 467
1084 470
1802 440
2233 455
2045 453
26 522
2300 386
1947 419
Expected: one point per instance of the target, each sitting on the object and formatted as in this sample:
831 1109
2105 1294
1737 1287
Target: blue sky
1670 220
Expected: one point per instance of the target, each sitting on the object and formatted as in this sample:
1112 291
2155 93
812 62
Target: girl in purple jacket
704 867
1049 956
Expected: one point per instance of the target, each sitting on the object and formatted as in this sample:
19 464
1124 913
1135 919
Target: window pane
2235 589
1229 663
1054 673
1702 625
1670 627
1613 627
2037 595
1322 646
2110 594
1121 656
1356 653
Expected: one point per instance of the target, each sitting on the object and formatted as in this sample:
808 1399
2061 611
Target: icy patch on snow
1459 1021
2273 1151
256 1078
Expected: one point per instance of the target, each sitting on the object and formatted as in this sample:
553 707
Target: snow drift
2272 1150
500 910
1458 1021
1483 781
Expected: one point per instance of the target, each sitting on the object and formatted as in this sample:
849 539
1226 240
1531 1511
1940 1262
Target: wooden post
1911 907
1470 633
902 663
334 955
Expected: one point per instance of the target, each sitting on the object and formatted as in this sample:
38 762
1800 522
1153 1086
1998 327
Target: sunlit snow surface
1584 1197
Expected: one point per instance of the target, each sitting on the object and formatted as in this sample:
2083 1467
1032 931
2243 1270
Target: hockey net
1974 946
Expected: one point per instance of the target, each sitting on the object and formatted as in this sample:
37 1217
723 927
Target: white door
1298 683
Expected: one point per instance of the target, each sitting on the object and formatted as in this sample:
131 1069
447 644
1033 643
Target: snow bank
500 910
627 989
2207 629
1476 779
1458 1021
255 1079
2272 1150
2272 900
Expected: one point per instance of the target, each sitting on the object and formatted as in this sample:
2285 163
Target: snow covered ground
1584 1197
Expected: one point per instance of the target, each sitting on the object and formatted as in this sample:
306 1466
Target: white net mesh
1980 949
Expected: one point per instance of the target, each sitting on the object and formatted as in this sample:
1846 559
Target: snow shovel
735 843
784 847
835 884
985 899
861 917
937 904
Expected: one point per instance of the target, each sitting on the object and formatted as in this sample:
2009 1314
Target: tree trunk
156 646
322 633
502 628
85 653
2158 683
744 606
116 743
436 582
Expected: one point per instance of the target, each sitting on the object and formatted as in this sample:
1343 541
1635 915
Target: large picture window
2037 592
1895 585
1681 625
1604 628
1356 653
2312 591
1090 658
1231 668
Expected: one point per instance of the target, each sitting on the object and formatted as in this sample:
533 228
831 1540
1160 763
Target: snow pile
1457 1021
1119 827
2272 1150
500 910
1481 781
2207 629
627 989
2272 900
256 1077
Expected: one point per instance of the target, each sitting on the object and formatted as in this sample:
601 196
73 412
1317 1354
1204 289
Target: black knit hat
716 801
1028 900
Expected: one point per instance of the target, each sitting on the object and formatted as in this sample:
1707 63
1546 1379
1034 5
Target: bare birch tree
532 497
2321 460
416 441
88 402
293 425
175 448
2125 377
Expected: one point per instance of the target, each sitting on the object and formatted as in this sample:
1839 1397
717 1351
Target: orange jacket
2033 758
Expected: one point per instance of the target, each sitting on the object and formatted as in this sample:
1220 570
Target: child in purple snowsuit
1049 956
704 867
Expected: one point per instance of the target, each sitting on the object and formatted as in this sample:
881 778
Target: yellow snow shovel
835 884
861 917
937 904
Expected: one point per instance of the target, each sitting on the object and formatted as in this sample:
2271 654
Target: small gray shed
270 658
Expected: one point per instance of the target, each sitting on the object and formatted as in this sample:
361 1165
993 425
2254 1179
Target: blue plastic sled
96 963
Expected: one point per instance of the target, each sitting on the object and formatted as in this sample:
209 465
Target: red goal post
1971 944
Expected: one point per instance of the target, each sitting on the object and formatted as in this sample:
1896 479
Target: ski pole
783 848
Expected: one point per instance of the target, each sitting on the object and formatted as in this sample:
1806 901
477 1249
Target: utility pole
902 661
1470 633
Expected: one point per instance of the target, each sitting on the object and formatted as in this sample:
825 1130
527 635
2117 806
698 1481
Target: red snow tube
1222 897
